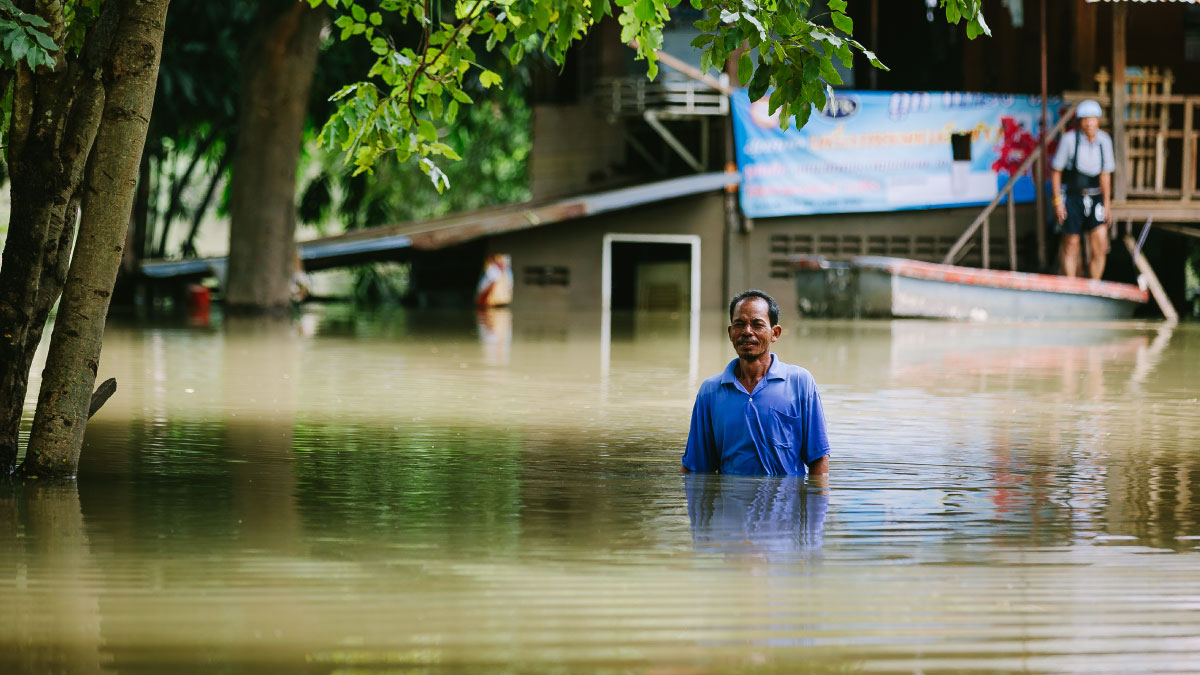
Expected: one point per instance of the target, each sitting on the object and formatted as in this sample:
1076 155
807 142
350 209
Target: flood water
407 492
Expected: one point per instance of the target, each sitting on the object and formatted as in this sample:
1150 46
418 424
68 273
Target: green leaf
828 72
977 27
837 5
44 40
445 151
843 23
733 38
487 78
803 114
20 48
34 20
644 10
874 59
812 67
745 68
760 82
952 12
426 130
599 8
359 13
376 18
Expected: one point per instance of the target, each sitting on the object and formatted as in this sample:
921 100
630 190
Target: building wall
758 259
734 261
575 150
577 246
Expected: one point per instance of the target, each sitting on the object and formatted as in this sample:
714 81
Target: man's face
1089 125
751 331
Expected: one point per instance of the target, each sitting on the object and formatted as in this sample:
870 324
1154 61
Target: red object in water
199 301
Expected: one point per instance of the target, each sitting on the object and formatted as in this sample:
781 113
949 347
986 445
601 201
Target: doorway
651 272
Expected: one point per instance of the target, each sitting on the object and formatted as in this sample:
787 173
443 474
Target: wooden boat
874 286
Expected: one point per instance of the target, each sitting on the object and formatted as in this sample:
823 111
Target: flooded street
416 492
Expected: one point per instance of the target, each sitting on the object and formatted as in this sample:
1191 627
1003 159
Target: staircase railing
981 221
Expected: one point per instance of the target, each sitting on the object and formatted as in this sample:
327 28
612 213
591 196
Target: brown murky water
436 493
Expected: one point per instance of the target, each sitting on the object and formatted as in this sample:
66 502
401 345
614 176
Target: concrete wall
575 149
578 246
756 259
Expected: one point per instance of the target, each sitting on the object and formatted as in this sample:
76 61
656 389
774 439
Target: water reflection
772 516
357 492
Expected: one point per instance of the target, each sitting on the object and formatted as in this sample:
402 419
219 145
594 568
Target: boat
883 287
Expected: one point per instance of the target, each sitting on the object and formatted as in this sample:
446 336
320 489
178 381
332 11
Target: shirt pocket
783 430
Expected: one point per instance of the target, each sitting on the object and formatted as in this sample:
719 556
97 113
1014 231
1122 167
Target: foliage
494 135
413 88
21 39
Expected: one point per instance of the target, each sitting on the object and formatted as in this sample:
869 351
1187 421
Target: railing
633 96
981 221
1160 145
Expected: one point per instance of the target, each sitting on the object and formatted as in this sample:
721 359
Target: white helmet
1088 108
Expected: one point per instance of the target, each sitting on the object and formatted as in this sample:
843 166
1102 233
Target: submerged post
985 252
1147 272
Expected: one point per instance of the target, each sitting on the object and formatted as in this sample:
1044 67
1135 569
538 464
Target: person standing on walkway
1081 182
760 416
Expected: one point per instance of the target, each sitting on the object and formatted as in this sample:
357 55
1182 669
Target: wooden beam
1039 180
1188 180
1170 211
1179 229
1012 234
1085 45
1119 96
1151 279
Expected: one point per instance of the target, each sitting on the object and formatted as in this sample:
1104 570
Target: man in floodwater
761 415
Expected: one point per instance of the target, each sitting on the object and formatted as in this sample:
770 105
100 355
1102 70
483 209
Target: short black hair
772 307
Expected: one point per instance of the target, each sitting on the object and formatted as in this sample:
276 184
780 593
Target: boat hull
896 288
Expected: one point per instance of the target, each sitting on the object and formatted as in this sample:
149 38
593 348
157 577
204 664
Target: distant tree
277 71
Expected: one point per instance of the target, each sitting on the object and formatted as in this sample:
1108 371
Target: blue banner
886 151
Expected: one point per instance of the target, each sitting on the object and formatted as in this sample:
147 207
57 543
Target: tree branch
178 185
189 246
99 397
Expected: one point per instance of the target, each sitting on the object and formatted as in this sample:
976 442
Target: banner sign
886 151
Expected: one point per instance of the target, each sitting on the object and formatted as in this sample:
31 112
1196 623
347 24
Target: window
547 275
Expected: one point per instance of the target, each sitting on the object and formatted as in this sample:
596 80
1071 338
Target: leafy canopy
413 88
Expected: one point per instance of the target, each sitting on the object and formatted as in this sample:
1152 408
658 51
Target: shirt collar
774 372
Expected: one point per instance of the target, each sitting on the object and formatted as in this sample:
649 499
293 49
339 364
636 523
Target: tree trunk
55 114
278 70
130 73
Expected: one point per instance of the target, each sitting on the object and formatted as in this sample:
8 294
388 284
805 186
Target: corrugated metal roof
377 242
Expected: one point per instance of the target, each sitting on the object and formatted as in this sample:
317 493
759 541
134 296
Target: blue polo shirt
777 429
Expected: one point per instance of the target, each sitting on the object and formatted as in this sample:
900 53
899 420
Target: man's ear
776 331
